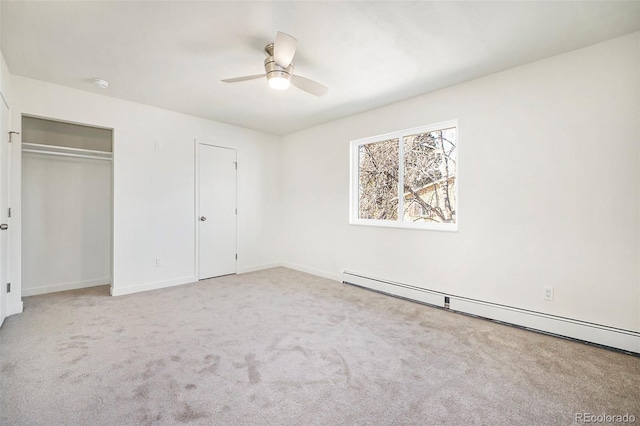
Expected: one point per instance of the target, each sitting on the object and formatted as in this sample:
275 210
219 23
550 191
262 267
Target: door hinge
236 256
9 211
236 212
236 164
8 287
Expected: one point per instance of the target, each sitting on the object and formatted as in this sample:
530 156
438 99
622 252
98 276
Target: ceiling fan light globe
279 83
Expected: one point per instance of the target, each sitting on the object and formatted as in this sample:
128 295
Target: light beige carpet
287 348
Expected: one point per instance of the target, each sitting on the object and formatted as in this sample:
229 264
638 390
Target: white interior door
4 207
217 211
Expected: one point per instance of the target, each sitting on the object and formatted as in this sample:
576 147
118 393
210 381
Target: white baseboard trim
312 271
53 288
121 291
255 268
627 340
394 289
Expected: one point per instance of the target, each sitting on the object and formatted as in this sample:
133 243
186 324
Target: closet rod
64 154
64 148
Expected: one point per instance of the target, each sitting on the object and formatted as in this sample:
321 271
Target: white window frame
400 223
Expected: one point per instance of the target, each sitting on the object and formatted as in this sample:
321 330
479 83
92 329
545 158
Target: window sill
445 227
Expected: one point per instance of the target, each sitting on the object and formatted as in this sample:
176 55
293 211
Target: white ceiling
173 54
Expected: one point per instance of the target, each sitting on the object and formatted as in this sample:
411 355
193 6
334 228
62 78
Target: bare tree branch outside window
378 177
428 192
429 177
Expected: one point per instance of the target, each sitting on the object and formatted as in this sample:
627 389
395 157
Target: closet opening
67 199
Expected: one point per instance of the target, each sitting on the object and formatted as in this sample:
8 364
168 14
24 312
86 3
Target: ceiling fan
278 68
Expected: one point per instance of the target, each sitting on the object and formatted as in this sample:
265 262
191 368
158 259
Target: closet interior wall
66 206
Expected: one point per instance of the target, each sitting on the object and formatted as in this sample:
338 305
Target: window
407 179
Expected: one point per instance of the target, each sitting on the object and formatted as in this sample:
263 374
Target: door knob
203 218
4 227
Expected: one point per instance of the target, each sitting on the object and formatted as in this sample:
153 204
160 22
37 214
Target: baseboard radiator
625 340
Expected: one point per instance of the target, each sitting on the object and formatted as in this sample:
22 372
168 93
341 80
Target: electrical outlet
548 293
158 262
157 145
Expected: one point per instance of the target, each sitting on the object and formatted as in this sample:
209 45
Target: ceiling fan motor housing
274 70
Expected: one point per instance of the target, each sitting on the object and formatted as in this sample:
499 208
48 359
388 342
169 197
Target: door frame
196 216
6 174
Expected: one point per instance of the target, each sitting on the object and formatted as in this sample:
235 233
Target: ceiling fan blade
309 86
284 48
245 78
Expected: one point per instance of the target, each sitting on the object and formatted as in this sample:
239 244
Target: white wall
5 80
154 199
549 190
66 223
